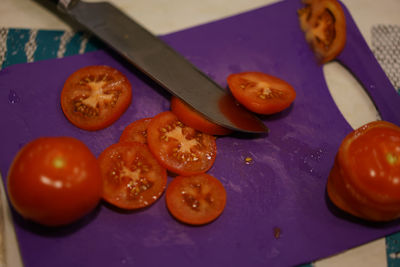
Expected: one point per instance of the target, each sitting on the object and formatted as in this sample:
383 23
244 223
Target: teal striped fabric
27 45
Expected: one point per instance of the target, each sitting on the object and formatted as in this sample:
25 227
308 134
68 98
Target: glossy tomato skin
54 181
192 118
136 131
197 199
180 148
94 97
260 92
324 25
132 177
365 178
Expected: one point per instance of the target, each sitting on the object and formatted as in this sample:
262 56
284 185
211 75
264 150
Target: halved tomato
179 148
260 92
94 97
136 131
365 178
324 25
192 118
132 177
197 199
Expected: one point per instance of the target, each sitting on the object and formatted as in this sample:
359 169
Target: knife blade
161 63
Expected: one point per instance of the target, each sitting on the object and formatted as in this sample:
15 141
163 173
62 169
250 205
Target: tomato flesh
365 178
197 199
132 177
260 92
94 97
192 118
324 25
136 131
54 181
179 148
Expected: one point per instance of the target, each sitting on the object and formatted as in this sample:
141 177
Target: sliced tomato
179 148
365 178
132 177
324 25
260 92
192 118
197 199
136 131
94 97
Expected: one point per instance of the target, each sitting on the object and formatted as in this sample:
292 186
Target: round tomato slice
260 92
95 96
179 148
132 177
192 118
136 131
54 181
365 178
324 25
197 199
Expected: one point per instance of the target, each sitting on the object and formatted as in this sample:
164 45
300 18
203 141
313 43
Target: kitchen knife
161 63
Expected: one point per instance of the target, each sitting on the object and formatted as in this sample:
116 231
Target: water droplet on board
13 97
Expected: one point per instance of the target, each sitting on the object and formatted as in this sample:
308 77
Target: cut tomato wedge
260 92
179 148
136 131
196 200
94 97
324 25
192 118
132 177
365 178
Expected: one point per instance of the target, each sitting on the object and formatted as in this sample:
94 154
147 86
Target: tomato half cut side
197 199
54 181
192 118
324 25
365 178
180 148
260 92
132 177
136 131
94 97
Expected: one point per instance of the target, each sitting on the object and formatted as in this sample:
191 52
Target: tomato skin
136 131
54 181
260 92
132 177
324 25
94 97
179 148
192 118
365 178
195 200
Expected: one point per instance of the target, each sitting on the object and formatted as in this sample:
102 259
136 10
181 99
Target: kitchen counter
167 16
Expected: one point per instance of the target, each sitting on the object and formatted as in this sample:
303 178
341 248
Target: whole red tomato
54 181
365 178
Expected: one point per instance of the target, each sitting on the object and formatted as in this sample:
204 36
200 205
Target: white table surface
165 16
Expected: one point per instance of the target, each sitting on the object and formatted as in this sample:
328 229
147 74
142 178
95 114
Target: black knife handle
63 4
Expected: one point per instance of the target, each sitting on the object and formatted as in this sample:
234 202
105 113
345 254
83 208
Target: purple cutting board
277 213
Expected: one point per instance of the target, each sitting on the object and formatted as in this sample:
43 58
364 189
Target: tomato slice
365 178
192 118
260 92
324 25
94 97
132 177
136 131
179 148
197 199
